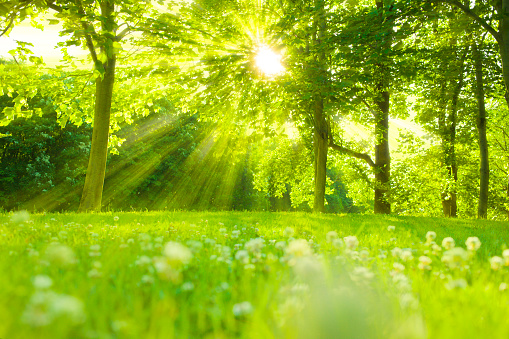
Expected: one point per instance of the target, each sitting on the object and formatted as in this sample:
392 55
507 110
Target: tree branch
9 25
468 11
358 155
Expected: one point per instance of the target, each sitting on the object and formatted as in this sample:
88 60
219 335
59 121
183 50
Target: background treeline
43 166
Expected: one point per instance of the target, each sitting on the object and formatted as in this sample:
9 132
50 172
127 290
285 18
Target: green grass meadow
251 275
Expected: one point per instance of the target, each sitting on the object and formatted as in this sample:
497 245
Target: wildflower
288 232
143 261
408 301
398 268
44 307
299 248
42 282
391 228
396 252
177 254
455 257
430 236
60 255
448 243
242 256
496 263
456 284
187 286
254 245
502 287
436 249
424 263
115 218
20 217
505 255
280 245
166 271
351 242
473 243
364 255
361 274
307 267
406 255
147 279
242 309
338 243
331 236
94 273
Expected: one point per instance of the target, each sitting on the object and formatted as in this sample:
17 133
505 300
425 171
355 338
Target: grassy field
251 275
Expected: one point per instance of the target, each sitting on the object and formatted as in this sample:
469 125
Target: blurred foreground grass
251 275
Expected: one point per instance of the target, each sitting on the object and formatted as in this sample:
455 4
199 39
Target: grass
245 275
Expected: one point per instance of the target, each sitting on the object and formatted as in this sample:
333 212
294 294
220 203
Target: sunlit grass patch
251 275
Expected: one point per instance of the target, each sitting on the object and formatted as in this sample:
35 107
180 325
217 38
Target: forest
333 106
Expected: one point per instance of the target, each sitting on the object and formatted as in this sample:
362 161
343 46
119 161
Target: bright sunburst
268 61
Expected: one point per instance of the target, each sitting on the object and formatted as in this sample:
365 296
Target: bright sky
44 42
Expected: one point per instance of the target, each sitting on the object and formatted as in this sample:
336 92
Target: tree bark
482 206
94 180
321 140
320 123
382 102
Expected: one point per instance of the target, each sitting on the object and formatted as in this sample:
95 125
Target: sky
44 42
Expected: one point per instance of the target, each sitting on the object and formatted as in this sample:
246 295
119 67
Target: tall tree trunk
320 123
484 172
503 41
321 146
94 180
448 132
382 101
382 155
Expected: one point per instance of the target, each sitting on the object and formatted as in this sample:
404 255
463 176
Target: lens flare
268 61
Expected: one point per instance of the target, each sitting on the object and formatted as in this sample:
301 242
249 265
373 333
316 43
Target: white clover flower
436 249
396 252
351 242
242 256
177 254
408 301
502 286
280 245
505 255
143 261
187 286
115 218
455 257
496 263
254 245
424 263
70 307
331 236
94 273
448 243
288 232
406 255
299 248
364 255
391 228
42 282
60 255
361 274
222 230
398 268
147 279
242 309
45 307
430 236
338 243
473 243
166 271
456 284
307 267
20 217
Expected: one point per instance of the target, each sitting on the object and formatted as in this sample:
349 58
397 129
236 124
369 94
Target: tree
99 27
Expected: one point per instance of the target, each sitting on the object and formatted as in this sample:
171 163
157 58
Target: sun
268 61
